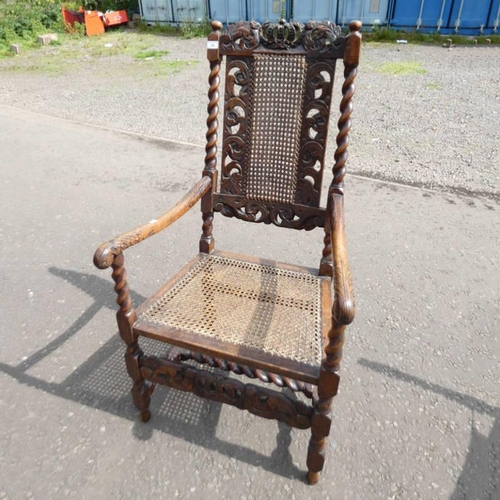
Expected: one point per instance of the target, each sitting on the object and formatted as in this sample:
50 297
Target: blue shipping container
315 10
228 11
427 15
469 17
369 12
494 20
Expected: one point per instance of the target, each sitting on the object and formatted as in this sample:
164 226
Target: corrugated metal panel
266 10
185 10
157 11
315 10
172 11
494 19
466 17
428 15
369 12
228 11
469 17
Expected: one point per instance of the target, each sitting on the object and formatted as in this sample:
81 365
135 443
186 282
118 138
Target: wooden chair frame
146 371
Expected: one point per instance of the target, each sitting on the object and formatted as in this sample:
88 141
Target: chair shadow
480 476
102 382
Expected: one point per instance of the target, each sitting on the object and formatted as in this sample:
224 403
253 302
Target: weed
192 29
165 68
433 86
168 30
402 68
150 53
385 34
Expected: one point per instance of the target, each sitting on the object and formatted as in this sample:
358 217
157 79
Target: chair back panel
275 125
279 80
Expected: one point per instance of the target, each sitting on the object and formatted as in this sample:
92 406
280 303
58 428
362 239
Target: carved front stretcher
273 322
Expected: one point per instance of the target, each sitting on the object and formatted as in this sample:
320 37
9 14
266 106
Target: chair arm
343 302
105 254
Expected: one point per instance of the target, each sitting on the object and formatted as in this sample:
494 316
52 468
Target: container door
189 10
228 11
149 11
315 10
369 12
470 17
165 14
267 10
425 15
494 19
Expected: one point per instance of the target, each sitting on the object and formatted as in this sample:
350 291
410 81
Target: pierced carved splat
316 114
236 114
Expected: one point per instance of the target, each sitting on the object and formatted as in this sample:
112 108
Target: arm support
343 302
103 258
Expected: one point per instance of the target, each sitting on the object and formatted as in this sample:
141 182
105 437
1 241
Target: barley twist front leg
141 389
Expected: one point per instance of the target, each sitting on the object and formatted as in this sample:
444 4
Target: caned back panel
276 114
275 120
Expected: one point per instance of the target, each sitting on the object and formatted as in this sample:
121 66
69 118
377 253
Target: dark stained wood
207 241
257 400
104 255
316 39
293 216
254 358
126 316
238 369
321 44
343 304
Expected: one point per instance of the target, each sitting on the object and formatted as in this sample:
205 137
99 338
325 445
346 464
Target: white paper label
212 44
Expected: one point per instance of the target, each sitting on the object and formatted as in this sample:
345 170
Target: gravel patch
424 115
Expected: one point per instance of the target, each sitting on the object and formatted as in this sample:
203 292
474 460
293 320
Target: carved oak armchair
275 322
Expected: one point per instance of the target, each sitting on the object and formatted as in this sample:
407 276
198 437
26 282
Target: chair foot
312 477
145 415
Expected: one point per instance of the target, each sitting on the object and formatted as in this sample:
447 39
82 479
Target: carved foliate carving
281 35
236 139
322 36
257 400
316 114
290 216
240 37
316 38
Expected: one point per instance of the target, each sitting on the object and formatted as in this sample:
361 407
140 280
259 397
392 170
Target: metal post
457 22
440 20
330 10
157 16
496 22
343 12
419 20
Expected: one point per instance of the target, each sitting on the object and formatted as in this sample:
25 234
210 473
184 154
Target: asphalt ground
418 412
